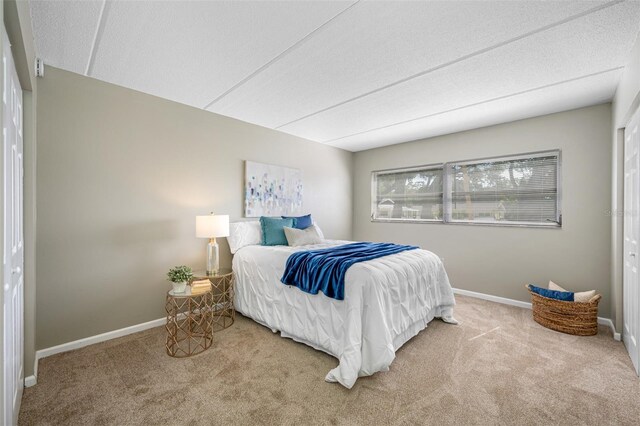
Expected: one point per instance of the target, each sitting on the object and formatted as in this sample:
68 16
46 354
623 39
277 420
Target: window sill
407 221
552 225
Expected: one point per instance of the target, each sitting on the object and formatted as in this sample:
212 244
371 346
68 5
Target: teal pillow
273 230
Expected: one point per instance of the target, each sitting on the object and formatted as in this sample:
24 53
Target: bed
387 301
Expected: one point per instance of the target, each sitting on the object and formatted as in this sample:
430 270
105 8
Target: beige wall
120 178
501 260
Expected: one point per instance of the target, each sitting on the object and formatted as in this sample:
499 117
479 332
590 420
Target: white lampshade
211 226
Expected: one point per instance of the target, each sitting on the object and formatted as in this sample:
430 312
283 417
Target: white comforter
387 301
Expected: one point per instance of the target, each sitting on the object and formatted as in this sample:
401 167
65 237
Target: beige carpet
496 367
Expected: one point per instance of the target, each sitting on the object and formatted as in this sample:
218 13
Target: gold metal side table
224 313
189 323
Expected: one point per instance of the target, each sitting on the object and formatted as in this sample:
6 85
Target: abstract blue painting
272 190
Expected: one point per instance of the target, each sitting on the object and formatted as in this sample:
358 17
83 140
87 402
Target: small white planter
179 287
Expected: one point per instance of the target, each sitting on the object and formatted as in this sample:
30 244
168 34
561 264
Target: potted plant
179 277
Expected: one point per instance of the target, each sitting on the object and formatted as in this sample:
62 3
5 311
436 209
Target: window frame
374 192
447 192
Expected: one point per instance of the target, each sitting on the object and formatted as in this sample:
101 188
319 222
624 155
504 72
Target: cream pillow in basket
581 297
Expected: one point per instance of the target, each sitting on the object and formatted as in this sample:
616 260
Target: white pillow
302 237
243 234
555 287
319 230
581 297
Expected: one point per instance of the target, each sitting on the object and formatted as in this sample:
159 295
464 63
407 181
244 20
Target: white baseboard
30 381
77 344
492 298
608 322
525 305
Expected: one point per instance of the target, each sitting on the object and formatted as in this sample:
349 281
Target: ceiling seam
96 38
280 55
460 59
499 98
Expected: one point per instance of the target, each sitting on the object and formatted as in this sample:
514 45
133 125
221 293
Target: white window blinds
408 194
511 190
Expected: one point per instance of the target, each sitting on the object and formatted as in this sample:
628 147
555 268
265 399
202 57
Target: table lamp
212 226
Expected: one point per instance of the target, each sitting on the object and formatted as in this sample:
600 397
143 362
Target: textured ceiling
355 75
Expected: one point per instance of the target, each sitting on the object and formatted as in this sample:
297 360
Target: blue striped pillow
566 296
300 222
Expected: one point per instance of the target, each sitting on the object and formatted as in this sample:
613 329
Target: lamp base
213 257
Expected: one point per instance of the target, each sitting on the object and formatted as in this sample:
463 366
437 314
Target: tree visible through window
520 189
414 194
513 190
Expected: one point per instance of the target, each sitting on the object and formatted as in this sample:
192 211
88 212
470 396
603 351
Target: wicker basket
580 319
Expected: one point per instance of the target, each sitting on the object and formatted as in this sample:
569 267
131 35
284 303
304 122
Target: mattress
387 302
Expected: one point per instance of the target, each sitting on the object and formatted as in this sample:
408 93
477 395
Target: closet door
13 249
631 293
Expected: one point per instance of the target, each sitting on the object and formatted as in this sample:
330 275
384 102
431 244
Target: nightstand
224 313
189 323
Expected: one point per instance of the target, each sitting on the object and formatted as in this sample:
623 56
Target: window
514 190
510 190
408 194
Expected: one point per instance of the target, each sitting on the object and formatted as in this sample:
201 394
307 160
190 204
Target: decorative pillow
555 287
300 222
273 230
583 296
566 296
243 234
580 297
302 237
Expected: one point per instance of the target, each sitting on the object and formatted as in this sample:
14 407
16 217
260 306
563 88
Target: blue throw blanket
324 270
